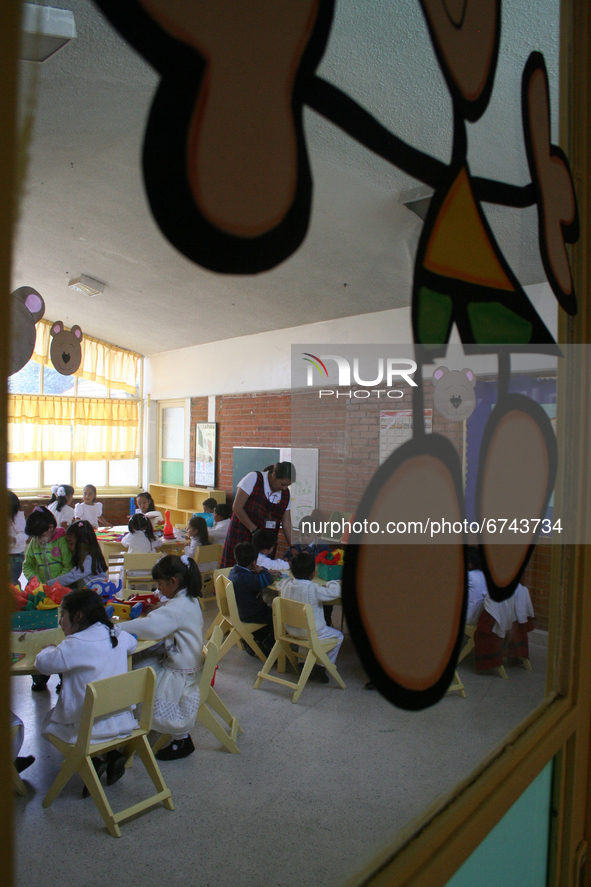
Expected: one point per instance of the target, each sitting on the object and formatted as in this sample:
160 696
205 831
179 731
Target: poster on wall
205 454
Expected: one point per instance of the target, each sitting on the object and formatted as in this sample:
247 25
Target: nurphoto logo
387 370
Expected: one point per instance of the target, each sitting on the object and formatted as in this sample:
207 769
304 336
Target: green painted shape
515 852
493 323
173 473
433 316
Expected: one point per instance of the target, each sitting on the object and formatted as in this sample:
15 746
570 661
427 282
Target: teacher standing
262 502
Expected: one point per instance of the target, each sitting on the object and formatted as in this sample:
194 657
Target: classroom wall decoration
453 395
65 351
229 183
27 308
205 450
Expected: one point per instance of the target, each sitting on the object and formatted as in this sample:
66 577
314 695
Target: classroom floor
318 789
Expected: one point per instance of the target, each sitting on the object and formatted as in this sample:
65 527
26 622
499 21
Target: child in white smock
301 588
198 535
140 539
60 504
89 509
179 660
93 650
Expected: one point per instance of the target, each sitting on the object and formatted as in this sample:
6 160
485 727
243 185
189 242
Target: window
71 429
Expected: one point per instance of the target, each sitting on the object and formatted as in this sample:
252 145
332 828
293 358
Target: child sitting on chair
93 650
265 542
249 580
301 588
222 515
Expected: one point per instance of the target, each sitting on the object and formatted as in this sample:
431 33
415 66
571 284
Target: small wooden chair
286 612
209 697
137 570
239 631
207 558
457 684
219 619
104 698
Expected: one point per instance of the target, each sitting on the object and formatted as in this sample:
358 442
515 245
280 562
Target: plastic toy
168 528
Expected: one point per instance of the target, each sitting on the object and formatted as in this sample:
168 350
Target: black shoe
100 765
39 682
370 686
115 766
22 763
248 649
319 674
178 748
58 687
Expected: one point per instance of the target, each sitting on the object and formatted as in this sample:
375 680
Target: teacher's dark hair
282 470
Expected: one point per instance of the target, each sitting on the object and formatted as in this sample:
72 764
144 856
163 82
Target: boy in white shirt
222 515
265 542
301 588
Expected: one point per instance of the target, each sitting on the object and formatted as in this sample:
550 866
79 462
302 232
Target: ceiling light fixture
88 286
44 31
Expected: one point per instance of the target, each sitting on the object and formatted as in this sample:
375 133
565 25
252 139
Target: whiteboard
304 490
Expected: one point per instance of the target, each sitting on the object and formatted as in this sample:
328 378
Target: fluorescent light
44 31
88 286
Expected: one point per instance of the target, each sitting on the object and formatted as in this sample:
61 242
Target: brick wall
346 432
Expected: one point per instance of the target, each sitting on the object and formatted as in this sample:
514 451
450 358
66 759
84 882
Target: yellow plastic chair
17 782
298 615
209 697
104 698
219 619
137 570
238 631
207 558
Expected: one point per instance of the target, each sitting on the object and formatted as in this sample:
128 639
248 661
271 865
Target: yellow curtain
103 363
43 427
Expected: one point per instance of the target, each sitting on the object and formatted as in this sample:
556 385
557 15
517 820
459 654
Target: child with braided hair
179 659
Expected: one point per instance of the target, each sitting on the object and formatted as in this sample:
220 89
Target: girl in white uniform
60 504
93 650
179 661
89 509
140 539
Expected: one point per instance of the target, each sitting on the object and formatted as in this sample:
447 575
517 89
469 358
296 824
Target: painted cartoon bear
27 308
65 351
453 395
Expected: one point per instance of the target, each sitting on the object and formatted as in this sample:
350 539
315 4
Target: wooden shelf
182 502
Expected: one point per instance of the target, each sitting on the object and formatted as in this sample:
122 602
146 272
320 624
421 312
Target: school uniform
177 663
138 543
247 589
219 531
91 513
65 516
308 592
477 592
16 549
83 657
265 508
80 574
272 564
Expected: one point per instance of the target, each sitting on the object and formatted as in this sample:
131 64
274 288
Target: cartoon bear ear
470 376
77 332
57 327
33 301
439 372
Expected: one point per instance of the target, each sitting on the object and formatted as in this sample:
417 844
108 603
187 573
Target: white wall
262 362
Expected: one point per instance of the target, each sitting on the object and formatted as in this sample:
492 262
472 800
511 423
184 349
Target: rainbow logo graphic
315 361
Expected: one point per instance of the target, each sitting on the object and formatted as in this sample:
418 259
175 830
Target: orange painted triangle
459 245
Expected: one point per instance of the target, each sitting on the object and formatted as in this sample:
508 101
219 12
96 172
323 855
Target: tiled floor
318 788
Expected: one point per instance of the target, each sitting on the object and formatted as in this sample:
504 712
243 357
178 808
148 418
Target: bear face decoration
27 308
65 351
453 395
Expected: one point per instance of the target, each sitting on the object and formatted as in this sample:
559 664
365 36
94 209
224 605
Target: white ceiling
84 210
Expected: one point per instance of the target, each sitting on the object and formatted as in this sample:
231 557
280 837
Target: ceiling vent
44 31
88 286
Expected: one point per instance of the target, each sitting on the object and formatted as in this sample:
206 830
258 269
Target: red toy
168 528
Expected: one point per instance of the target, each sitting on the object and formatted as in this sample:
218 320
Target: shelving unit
182 502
